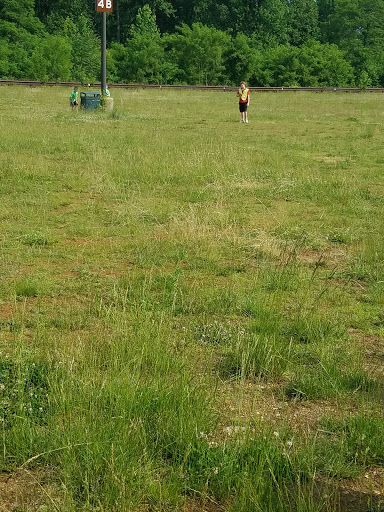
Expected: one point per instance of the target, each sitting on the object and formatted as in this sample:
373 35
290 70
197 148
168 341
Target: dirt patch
371 482
246 401
109 272
326 257
195 505
28 490
79 242
69 274
67 208
331 159
242 402
353 495
373 347
357 495
375 189
100 272
7 311
354 501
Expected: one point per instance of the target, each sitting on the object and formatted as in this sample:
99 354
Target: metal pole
104 55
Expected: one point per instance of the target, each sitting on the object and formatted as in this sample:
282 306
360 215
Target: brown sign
104 5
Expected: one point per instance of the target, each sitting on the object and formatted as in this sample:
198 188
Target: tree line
211 42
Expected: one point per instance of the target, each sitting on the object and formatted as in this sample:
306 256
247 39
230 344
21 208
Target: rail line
33 83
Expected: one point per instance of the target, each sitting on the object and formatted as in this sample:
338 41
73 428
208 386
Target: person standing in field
73 97
243 95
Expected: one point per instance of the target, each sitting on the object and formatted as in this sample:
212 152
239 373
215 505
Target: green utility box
90 100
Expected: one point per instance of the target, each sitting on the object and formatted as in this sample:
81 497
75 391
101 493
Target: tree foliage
267 42
141 59
199 53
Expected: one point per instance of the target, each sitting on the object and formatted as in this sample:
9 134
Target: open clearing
191 309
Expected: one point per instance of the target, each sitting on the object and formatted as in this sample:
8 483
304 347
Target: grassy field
191 309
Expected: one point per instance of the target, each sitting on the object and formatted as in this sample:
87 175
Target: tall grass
163 259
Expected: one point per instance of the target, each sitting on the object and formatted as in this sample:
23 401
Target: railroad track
199 87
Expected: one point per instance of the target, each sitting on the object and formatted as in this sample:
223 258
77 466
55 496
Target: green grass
162 264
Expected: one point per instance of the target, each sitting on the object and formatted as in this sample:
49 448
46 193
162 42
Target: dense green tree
116 63
273 23
125 12
51 59
71 52
325 8
85 49
144 48
312 65
242 60
142 58
200 52
4 59
73 21
323 65
344 24
17 18
196 41
279 67
357 27
64 8
246 16
214 13
372 23
19 35
303 20
222 14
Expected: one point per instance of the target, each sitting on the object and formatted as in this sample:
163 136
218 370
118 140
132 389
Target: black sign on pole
104 6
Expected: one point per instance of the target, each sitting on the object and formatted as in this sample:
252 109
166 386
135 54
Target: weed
115 115
361 438
255 356
327 380
217 333
34 239
227 469
306 328
345 447
23 391
340 236
26 288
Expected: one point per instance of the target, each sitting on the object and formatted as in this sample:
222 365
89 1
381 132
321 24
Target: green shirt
73 96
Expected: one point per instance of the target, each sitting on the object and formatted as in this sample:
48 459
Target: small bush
325 380
26 288
34 239
286 279
224 469
255 356
361 438
217 333
312 329
23 391
345 447
340 236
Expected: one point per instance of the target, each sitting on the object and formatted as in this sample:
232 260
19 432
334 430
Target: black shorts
243 107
